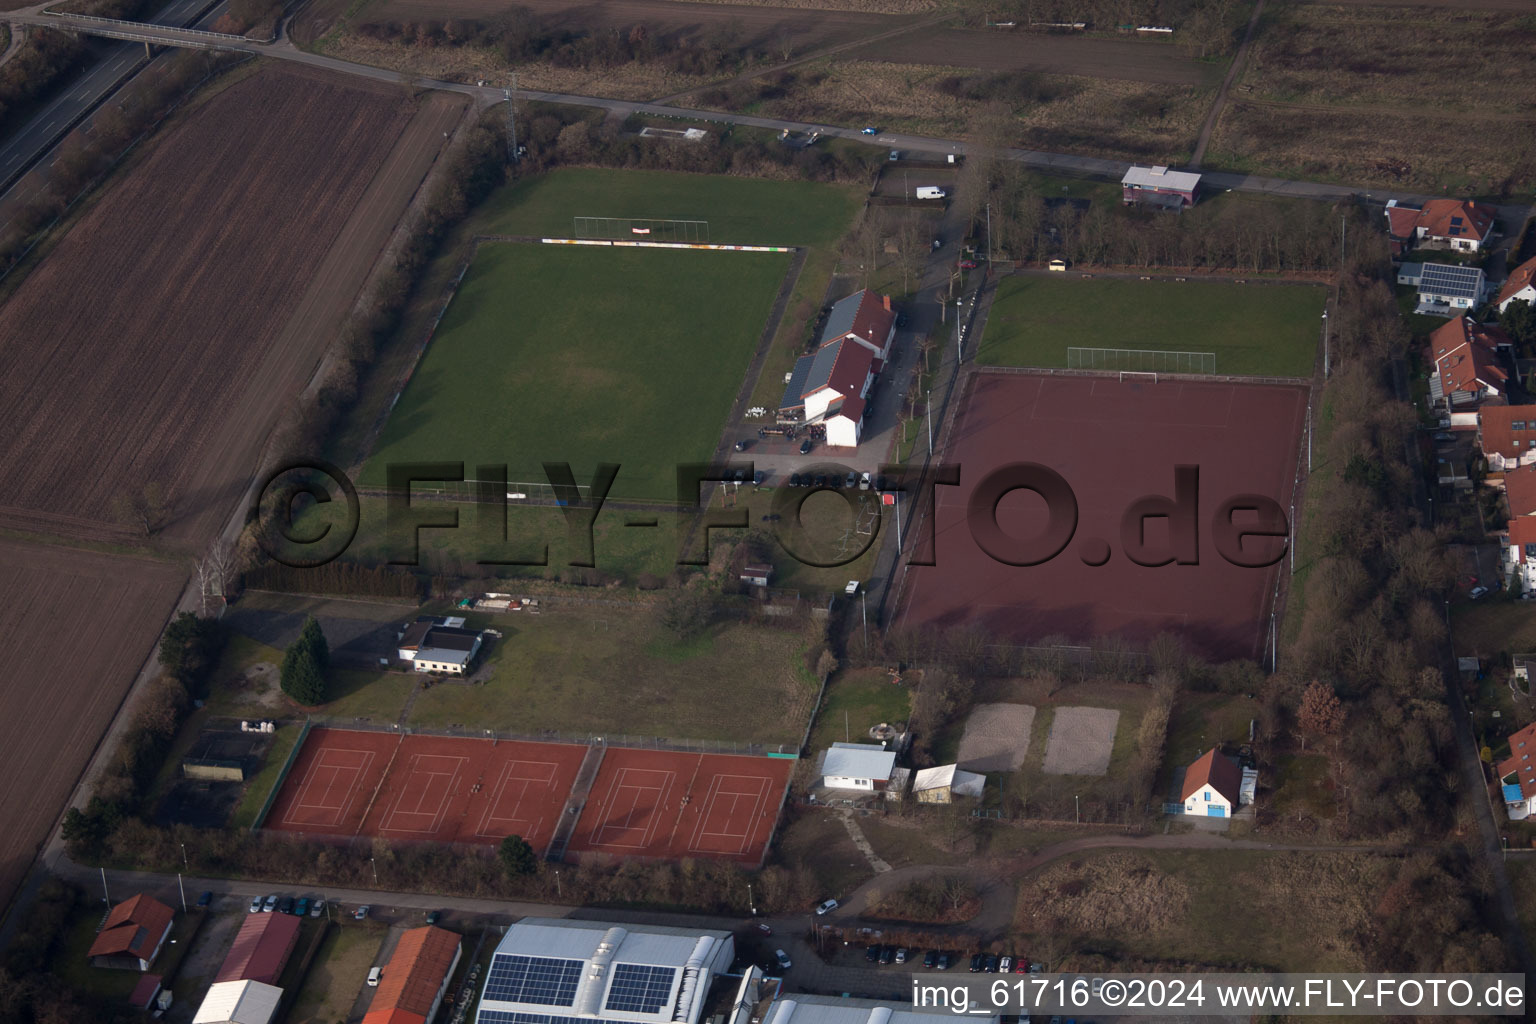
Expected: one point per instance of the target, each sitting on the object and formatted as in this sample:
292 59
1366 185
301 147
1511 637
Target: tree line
42 60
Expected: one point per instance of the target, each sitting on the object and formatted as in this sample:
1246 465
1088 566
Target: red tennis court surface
446 789
654 803
1113 442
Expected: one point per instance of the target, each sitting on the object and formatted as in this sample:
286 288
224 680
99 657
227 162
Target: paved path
1209 128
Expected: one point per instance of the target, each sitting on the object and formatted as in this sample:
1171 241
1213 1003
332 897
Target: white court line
442 801
619 784
505 777
699 835
359 769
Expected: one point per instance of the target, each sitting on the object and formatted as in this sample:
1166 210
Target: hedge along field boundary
282 776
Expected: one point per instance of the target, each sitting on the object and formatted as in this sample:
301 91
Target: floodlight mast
511 122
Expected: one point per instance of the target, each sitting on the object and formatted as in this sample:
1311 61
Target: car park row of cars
850 482
943 960
301 907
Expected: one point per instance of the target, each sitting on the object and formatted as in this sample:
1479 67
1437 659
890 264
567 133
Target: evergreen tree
517 856
304 666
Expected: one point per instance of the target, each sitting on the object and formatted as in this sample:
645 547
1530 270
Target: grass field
860 698
747 211
584 356
330 986
1253 329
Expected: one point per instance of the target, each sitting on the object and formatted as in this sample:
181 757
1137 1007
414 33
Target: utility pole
1325 344
864 612
511 121
108 896
988 271
929 417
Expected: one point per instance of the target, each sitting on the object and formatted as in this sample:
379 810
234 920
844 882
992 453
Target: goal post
652 229
1138 377
1139 360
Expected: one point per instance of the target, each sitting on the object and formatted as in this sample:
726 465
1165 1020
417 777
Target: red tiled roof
1401 220
1456 218
145 991
850 369
1520 486
261 949
874 318
393 1017
1215 768
1521 760
414 974
1522 276
851 406
1464 354
1498 433
134 927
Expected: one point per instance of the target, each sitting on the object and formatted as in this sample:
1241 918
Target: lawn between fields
1269 329
584 355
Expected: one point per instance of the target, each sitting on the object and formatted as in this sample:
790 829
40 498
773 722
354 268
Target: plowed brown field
132 352
83 624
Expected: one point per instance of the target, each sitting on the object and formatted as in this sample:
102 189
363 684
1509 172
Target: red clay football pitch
655 803
1113 443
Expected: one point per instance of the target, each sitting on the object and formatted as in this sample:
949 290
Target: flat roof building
799 1008
1159 186
547 971
239 1002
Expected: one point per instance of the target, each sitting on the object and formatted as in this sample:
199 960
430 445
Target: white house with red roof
1517 774
1507 436
1520 539
1521 285
831 385
1459 224
1213 786
1468 368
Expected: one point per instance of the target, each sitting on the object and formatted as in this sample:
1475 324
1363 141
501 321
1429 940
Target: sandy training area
158 340
996 737
84 623
1081 741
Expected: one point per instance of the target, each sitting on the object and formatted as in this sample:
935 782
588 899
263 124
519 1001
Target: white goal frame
1137 375
1150 360
650 229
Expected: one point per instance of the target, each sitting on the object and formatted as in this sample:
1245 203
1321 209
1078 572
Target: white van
930 192
373 976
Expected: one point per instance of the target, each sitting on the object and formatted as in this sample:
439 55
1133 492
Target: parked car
206 898
1021 966
852 481
976 962
887 954
794 479
286 906
1005 965
783 959
741 446
1445 436
1478 592
872 954
901 319
989 965
837 481
901 955
944 960
758 478
360 913
317 908
434 917
270 904
968 264
869 130
826 907
930 958
255 904
805 447
864 482
821 479
1059 266
895 155
302 907
937 244
1036 968
762 926
373 976
880 482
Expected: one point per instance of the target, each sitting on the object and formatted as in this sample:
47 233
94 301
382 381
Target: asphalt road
118 62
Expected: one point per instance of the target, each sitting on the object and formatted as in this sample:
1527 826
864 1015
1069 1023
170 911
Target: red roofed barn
1212 785
261 949
413 982
133 934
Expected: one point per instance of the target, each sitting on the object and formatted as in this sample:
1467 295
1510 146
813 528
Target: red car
968 264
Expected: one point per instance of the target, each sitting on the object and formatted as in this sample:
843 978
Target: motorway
119 62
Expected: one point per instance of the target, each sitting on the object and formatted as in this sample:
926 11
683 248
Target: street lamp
375 871
184 863
750 903
1325 344
1077 809
559 893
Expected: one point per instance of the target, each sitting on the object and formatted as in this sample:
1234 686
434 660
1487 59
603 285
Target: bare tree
145 508
215 571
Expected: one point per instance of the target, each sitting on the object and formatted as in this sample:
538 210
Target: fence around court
607 739
282 776
1201 378
1145 360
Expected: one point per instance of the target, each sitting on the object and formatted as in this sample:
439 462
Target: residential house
132 934
1521 285
415 978
1520 543
1468 368
1402 226
437 644
1507 435
1159 187
1444 289
831 385
1212 786
942 784
1517 774
863 766
1459 224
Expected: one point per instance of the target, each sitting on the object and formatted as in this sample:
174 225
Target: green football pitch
584 355
1252 329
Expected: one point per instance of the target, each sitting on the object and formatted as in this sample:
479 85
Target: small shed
942 784
756 575
143 995
857 766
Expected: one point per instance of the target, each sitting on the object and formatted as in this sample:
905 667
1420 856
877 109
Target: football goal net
1140 360
642 229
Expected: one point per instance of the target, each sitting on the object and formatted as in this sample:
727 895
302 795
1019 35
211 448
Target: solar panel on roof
489 1016
515 978
1451 280
638 988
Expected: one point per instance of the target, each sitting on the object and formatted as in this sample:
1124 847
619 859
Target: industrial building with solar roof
548 971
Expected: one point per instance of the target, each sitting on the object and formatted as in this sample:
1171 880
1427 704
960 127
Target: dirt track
1060 55
84 624
155 342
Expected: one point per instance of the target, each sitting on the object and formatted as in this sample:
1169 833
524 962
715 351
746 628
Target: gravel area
1081 741
996 737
